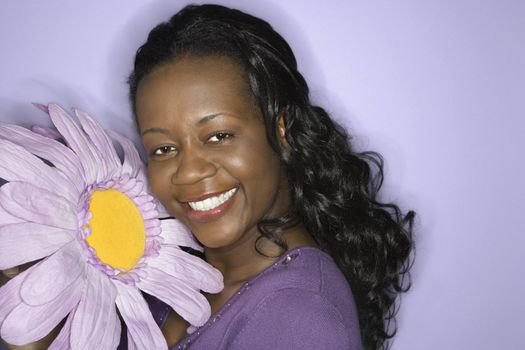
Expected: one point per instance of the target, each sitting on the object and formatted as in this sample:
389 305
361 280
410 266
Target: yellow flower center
117 229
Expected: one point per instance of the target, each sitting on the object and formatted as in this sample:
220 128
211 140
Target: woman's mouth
212 202
211 208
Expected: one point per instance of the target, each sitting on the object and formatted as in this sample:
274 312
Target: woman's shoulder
305 269
303 301
297 319
306 274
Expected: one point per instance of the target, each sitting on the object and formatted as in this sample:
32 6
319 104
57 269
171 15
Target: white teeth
212 202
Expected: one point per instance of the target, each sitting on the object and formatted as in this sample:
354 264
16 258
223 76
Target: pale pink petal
102 142
186 267
41 106
59 155
46 132
17 164
53 275
152 214
35 204
186 301
174 232
147 206
92 319
90 158
132 164
6 218
111 337
62 341
26 324
10 294
21 243
126 185
141 325
142 199
136 190
131 343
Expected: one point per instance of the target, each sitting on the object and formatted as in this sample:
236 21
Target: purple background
438 87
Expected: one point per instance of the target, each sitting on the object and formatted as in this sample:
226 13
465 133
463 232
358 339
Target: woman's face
209 161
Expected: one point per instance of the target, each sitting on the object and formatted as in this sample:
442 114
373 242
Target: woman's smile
210 201
212 207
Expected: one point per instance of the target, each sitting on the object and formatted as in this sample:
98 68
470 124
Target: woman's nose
192 169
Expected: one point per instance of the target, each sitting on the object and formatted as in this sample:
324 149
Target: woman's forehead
194 86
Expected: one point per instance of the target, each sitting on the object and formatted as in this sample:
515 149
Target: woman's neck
243 261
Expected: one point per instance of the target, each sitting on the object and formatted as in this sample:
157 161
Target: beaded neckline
284 260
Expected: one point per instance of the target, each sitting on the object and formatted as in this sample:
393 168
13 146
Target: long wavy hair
334 188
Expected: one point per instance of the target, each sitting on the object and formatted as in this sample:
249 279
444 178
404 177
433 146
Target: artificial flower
96 233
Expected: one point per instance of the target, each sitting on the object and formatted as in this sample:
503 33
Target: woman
270 186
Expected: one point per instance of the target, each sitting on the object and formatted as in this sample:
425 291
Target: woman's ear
281 133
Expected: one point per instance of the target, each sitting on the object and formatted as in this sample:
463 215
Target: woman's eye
164 150
218 137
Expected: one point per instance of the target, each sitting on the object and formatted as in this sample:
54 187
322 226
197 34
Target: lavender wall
437 86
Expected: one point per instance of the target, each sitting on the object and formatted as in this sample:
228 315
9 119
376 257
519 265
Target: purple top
302 301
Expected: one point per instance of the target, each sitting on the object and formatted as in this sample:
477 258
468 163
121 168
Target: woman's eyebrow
207 118
155 130
203 120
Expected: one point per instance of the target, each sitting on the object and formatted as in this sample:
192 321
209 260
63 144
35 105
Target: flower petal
21 243
132 164
186 267
62 341
136 190
77 140
26 323
6 218
186 301
131 343
174 232
41 106
111 338
10 294
17 164
46 132
61 156
93 316
35 204
102 142
53 275
141 325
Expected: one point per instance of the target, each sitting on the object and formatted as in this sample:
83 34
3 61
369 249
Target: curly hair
334 189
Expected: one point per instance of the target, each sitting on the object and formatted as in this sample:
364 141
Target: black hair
334 189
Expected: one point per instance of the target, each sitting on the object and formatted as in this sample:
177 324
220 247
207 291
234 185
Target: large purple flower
88 220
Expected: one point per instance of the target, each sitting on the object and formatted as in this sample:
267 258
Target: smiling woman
270 186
